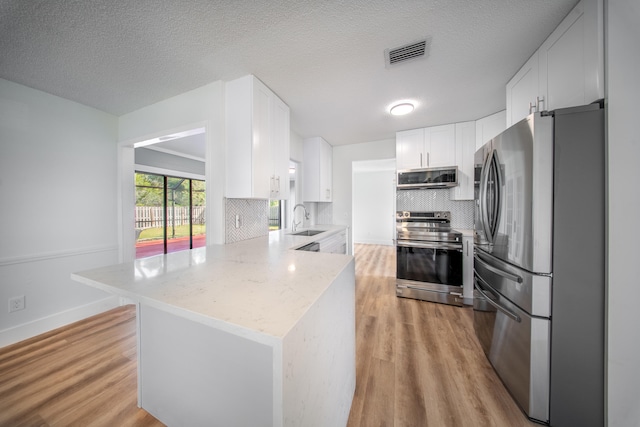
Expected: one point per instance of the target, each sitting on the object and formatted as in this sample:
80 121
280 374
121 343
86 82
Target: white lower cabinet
334 244
467 269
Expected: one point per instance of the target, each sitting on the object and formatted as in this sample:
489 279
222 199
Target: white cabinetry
409 149
317 170
334 244
465 147
522 91
571 59
490 126
568 68
467 269
426 147
257 149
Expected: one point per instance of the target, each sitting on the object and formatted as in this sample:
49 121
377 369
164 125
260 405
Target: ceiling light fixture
401 109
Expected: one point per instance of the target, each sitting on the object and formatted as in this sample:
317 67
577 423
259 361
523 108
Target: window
169 214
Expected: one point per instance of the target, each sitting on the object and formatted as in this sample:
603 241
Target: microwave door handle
506 275
504 310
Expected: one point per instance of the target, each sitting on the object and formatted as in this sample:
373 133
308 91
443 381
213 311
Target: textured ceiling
325 59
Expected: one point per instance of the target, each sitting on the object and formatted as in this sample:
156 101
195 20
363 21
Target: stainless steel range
429 257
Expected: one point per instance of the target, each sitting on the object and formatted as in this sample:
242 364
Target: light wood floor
418 364
81 375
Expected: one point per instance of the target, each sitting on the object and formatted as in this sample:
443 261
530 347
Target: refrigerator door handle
506 275
484 216
493 179
497 306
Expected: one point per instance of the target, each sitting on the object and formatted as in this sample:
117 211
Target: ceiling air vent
419 49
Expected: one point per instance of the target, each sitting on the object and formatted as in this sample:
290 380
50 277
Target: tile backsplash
325 213
437 200
254 219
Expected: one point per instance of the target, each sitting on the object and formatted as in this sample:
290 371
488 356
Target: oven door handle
497 271
497 306
450 246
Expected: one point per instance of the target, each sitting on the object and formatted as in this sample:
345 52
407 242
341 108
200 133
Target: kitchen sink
307 233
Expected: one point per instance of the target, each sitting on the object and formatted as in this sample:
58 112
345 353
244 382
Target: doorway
374 201
170 193
169 214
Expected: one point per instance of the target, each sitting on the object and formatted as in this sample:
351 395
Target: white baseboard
46 324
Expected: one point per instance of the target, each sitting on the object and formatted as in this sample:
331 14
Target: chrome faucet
294 224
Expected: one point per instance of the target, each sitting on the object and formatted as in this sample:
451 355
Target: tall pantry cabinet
257 149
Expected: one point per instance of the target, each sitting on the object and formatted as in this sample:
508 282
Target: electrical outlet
16 303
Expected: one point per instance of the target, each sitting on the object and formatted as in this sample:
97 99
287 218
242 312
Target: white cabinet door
522 91
410 149
280 150
440 145
490 126
317 169
261 161
467 269
257 141
465 134
326 171
568 68
334 244
571 59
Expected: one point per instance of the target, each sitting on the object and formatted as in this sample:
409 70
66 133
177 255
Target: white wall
374 194
343 157
203 106
623 92
296 147
57 208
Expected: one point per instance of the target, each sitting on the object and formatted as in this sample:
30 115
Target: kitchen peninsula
250 333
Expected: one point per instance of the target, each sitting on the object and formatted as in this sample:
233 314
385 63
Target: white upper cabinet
522 91
409 149
571 59
490 126
568 68
426 147
317 170
257 148
440 146
465 148
279 188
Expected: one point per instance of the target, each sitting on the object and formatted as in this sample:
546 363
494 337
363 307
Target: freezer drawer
429 292
531 292
517 345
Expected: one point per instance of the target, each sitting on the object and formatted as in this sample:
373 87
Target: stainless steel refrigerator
539 272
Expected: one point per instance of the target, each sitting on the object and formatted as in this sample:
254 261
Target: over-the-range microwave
428 178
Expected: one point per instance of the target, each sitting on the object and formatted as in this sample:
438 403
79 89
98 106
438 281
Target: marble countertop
257 288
